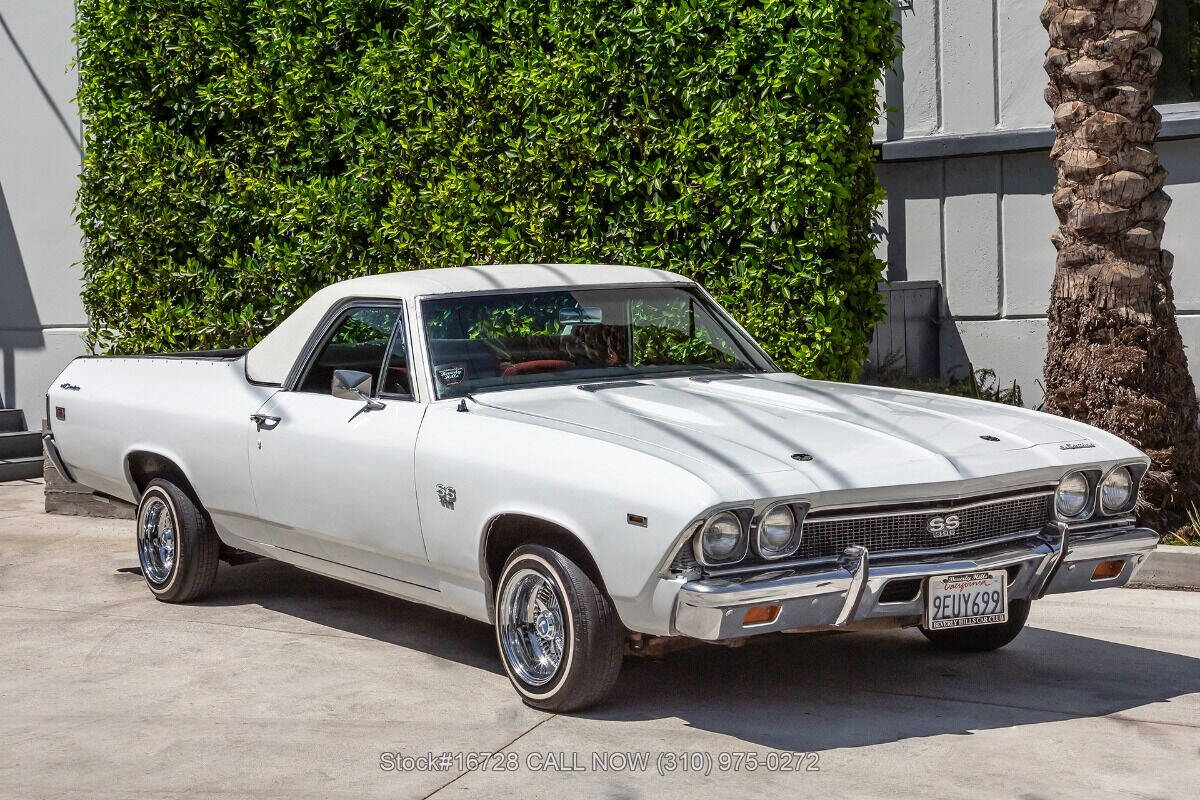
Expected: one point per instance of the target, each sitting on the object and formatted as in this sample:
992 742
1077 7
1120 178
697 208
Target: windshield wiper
595 387
725 376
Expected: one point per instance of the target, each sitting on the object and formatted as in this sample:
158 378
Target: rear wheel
177 546
981 638
559 636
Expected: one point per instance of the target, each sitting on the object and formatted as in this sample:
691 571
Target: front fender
497 464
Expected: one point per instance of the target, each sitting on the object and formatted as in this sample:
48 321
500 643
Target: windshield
518 339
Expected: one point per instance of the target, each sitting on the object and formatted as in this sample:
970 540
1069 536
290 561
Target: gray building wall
41 317
964 160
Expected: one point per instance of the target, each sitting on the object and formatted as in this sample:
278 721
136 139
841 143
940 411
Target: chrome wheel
156 539
531 627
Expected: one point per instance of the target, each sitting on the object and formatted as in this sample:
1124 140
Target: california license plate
968 598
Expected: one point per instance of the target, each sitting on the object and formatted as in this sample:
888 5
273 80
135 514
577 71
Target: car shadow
786 692
336 604
820 692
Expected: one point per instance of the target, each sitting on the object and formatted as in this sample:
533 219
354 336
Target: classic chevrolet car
596 460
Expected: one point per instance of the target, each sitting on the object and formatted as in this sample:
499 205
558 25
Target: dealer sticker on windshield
969 598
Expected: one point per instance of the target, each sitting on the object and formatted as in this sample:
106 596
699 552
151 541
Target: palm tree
1115 356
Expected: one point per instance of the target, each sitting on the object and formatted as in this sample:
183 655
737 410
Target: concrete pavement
284 684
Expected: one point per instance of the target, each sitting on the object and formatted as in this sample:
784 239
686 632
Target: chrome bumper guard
1053 560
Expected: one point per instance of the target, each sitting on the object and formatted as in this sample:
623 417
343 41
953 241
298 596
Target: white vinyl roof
271 359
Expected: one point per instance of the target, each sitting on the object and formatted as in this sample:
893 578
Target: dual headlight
1074 494
725 537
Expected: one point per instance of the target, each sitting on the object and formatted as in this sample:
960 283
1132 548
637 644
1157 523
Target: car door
333 477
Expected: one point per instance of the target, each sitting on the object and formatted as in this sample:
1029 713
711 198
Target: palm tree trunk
1115 357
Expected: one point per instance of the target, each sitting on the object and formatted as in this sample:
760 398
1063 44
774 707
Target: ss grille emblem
941 527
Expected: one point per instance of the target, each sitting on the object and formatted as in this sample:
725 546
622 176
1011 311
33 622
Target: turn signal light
1107 569
762 615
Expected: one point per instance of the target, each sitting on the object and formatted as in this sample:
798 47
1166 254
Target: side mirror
350 384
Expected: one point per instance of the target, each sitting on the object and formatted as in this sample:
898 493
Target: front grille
829 535
685 559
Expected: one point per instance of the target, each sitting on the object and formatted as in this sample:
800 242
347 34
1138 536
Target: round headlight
776 532
1116 490
1072 496
720 538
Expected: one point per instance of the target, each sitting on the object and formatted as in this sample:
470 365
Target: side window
358 341
396 380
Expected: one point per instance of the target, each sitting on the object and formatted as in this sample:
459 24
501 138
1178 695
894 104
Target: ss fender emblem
942 526
446 496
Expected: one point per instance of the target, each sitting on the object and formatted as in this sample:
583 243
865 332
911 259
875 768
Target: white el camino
597 460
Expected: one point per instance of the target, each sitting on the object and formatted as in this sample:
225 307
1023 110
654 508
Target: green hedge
240 154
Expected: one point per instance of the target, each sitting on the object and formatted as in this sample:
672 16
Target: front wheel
981 638
559 636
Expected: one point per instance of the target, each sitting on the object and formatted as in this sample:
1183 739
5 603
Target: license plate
968 598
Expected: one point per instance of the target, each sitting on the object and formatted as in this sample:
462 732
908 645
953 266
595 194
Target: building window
1179 75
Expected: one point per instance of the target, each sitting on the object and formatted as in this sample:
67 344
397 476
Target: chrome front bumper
1053 561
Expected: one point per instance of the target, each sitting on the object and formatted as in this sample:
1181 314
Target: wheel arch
142 466
506 531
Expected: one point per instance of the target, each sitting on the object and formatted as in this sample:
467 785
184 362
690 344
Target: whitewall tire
177 547
559 636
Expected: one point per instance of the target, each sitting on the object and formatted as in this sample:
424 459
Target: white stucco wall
41 317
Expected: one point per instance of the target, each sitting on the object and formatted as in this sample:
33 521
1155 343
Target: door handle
264 421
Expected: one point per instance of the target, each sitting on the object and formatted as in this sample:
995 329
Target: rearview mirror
350 384
580 315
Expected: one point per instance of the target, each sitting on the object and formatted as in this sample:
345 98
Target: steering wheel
535 366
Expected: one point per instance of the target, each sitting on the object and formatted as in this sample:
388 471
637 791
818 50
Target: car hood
834 436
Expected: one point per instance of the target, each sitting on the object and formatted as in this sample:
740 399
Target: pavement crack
507 745
120 625
1063 712
972 701
1122 717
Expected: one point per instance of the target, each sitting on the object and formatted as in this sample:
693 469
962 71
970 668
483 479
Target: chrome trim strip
55 456
1102 523
556 287
962 548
